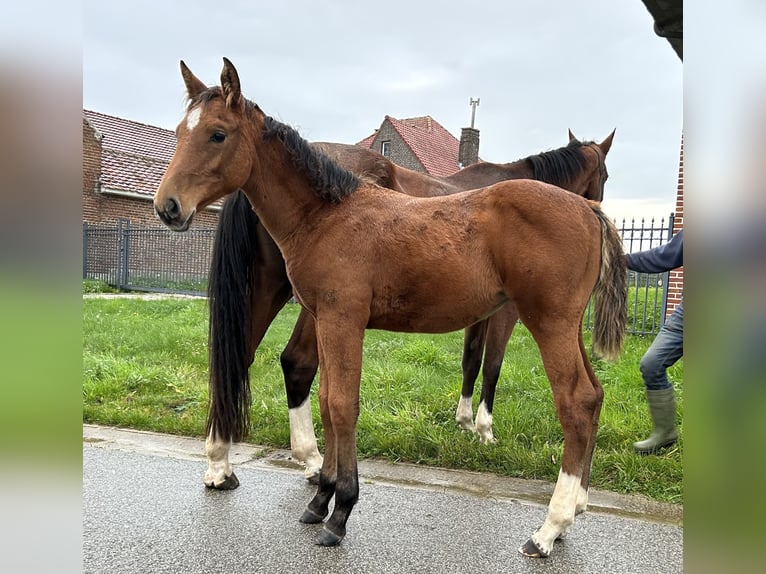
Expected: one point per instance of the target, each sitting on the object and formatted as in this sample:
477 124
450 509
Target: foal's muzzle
170 214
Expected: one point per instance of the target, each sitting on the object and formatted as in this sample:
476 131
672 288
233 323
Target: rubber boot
662 406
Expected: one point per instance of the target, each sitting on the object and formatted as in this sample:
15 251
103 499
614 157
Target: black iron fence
133 258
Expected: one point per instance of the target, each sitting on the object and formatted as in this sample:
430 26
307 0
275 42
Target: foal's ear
607 143
572 137
194 85
232 92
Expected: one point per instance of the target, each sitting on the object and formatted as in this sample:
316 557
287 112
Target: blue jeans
664 351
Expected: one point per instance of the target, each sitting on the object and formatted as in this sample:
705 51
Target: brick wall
91 168
401 154
676 279
104 208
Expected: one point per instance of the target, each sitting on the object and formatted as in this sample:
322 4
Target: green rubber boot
662 406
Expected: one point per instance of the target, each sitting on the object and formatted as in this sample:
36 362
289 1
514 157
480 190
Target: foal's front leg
318 507
340 358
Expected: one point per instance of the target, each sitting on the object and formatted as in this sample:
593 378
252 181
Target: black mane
559 166
330 181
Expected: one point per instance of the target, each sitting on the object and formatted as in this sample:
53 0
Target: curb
405 475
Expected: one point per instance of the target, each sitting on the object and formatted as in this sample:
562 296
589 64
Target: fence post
85 250
126 253
118 257
123 226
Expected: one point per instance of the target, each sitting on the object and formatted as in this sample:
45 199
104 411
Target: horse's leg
577 405
340 348
499 330
300 360
318 507
582 498
237 326
220 474
473 347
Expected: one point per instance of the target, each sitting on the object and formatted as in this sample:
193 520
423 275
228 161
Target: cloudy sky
334 69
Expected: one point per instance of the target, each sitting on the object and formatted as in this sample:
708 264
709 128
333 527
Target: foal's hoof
229 483
311 517
327 538
532 550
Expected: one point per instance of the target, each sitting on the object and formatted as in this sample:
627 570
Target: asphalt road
145 510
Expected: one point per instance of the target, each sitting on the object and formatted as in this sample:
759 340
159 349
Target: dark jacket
659 259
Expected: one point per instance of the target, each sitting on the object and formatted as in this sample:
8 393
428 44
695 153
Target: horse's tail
229 298
610 293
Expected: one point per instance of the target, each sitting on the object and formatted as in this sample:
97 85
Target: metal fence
133 258
156 259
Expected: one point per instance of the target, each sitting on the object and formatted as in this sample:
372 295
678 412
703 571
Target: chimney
468 152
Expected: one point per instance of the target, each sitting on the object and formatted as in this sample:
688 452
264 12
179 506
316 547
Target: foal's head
213 154
590 184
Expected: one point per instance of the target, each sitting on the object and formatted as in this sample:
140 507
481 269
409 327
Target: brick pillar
91 172
468 152
676 279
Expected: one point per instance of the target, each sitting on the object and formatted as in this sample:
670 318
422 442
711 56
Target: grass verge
145 367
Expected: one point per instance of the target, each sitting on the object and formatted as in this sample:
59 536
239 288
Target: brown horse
342 240
248 286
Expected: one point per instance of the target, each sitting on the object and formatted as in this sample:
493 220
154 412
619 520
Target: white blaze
192 118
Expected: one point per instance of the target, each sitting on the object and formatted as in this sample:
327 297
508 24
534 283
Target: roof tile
135 156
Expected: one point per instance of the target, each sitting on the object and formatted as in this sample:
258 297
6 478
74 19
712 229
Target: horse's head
591 183
213 156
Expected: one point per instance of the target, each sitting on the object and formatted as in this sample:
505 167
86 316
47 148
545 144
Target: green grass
145 367
97 286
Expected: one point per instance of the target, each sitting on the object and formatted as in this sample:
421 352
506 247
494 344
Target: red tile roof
432 144
369 140
135 155
133 137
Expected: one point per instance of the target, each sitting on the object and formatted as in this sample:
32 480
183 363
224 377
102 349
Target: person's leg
664 351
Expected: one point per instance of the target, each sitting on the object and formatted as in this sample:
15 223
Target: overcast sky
334 69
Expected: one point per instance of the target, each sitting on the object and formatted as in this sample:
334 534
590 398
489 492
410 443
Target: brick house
676 277
122 164
423 144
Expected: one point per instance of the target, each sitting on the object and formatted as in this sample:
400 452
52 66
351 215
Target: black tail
229 296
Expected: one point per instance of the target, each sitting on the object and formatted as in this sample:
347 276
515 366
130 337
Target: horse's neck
485 173
420 184
281 195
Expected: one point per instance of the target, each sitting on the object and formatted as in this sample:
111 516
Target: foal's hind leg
473 347
300 360
582 499
499 330
577 406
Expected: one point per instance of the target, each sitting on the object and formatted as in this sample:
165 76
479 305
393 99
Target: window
385 148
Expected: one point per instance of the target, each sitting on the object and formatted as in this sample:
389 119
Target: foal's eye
218 137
